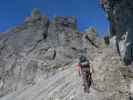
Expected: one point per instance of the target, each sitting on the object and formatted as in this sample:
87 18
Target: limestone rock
111 81
91 32
50 54
113 42
108 77
36 14
119 13
36 49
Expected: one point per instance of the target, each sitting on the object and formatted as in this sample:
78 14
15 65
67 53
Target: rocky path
65 85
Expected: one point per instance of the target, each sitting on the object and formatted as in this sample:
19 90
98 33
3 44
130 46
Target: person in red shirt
83 69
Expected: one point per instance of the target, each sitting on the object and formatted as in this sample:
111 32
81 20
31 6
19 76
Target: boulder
50 54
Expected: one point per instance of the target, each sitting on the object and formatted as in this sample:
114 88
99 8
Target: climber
85 73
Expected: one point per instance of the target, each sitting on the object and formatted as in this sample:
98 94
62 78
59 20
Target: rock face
91 32
108 77
91 43
33 53
36 49
120 13
111 81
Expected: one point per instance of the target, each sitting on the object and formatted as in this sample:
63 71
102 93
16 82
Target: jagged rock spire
91 32
36 13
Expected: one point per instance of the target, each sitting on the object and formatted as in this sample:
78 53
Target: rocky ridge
39 56
37 48
111 81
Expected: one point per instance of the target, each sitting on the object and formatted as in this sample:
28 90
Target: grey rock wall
36 49
120 13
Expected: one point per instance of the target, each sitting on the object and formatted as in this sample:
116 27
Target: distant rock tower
91 32
36 14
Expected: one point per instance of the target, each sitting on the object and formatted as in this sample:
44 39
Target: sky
87 12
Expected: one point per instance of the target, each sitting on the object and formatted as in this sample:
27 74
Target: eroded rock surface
111 81
35 50
120 13
37 61
109 76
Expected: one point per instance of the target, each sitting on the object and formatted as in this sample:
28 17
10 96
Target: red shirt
78 67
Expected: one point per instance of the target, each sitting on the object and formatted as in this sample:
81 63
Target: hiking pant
86 77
